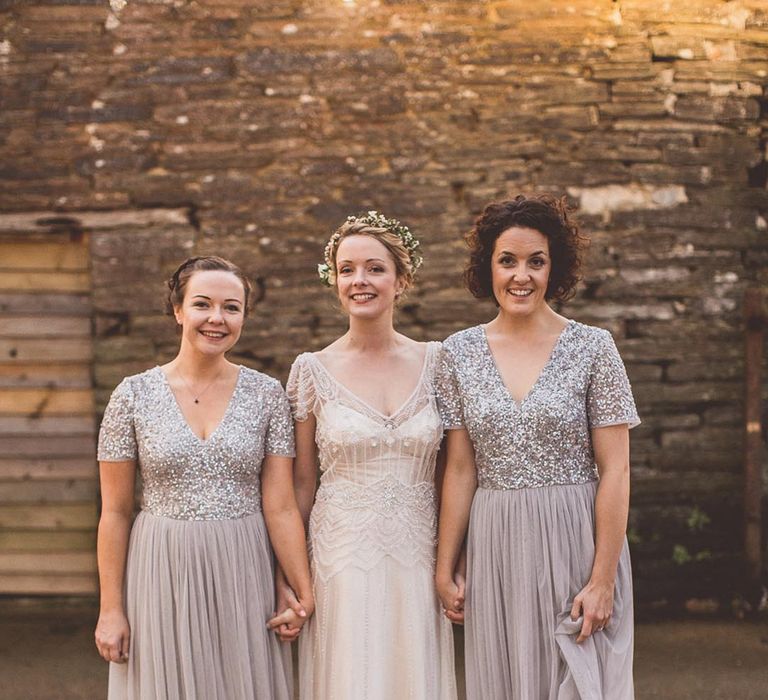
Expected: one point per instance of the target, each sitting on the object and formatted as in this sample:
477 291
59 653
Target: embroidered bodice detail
376 496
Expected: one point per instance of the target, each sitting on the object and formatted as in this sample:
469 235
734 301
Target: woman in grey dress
538 469
186 591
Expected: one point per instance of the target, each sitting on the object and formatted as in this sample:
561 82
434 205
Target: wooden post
754 316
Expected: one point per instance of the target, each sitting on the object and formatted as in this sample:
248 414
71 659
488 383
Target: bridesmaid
546 407
186 591
365 408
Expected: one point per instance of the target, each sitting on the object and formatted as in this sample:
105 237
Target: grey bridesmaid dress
531 539
199 577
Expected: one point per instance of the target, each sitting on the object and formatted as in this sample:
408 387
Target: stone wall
251 128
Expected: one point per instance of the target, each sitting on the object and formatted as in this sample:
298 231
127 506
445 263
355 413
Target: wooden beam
45 281
47 562
46 402
47 540
49 492
44 326
71 304
47 426
59 446
70 516
49 374
65 350
46 221
24 468
43 256
32 584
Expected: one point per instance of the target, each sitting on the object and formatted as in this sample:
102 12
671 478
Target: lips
520 293
362 297
213 335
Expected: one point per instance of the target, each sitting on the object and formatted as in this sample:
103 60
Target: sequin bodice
183 476
545 439
377 493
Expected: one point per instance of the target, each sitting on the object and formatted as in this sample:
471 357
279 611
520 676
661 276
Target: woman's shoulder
259 380
462 339
141 380
589 335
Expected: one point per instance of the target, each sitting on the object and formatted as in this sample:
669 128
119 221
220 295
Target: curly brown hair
543 212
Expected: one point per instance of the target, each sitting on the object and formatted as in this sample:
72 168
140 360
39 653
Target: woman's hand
293 613
451 593
113 636
594 604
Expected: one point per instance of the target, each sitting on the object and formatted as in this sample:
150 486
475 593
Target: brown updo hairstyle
546 214
177 284
389 240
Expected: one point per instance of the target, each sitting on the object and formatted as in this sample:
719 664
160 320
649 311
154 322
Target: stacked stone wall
251 128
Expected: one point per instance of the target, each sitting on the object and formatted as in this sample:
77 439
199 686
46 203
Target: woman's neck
195 365
542 321
371 335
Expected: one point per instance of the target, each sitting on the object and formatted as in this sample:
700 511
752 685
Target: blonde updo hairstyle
391 241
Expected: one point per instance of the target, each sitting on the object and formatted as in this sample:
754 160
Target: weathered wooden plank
27 374
45 281
64 350
44 221
69 516
44 326
33 584
48 492
47 469
58 446
71 304
46 426
43 256
47 540
46 402
47 562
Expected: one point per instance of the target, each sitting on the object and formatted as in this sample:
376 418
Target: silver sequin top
545 439
187 478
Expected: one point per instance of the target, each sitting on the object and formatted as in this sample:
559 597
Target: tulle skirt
198 596
530 551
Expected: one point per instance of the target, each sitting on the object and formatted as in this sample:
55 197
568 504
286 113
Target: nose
360 278
215 315
521 275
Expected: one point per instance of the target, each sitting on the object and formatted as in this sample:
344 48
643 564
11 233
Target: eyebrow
509 252
369 260
203 296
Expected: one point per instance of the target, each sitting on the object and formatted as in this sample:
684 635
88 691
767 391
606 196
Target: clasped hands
292 612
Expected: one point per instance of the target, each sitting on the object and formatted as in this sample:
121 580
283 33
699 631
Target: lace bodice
183 476
377 494
544 439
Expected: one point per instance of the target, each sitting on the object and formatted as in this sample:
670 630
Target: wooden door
48 474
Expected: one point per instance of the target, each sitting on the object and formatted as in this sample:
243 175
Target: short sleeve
609 395
279 440
447 392
301 389
117 435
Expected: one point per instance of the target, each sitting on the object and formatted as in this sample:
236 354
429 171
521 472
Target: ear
178 315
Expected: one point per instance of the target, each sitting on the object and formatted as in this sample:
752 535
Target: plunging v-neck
183 418
542 371
386 418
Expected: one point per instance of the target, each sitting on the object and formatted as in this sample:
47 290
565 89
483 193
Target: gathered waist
171 511
385 496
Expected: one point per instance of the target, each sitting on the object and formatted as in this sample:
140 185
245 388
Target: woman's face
520 269
213 311
366 277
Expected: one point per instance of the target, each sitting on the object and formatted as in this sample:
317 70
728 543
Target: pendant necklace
196 397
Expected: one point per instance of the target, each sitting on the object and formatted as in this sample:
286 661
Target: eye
344 269
538 262
234 308
377 268
506 260
200 304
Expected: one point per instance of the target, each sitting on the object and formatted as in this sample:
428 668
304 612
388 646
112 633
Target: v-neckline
542 371
388 419
183 418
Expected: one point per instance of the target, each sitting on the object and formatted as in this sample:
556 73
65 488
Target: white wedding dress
378 632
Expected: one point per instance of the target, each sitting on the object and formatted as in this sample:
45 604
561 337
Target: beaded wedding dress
378 632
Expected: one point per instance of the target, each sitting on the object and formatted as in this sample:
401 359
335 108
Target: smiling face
520 269
366 278
212 312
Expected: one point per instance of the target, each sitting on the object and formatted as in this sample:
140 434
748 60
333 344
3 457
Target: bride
365 407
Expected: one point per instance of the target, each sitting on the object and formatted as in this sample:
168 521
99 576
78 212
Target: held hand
594 604
294 613
452 592
113 636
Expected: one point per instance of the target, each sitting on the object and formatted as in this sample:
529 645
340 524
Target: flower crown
326 269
